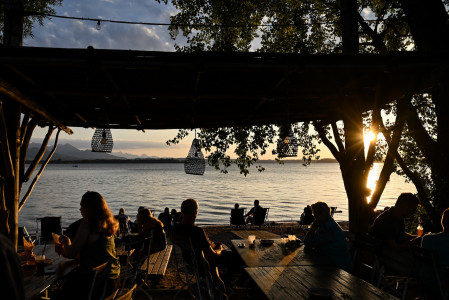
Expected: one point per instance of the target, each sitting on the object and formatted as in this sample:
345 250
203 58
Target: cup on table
40 263
252 241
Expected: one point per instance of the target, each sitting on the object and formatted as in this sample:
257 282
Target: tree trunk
428 23
352 169
12 183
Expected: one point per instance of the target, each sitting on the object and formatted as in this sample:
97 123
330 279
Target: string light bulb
98 25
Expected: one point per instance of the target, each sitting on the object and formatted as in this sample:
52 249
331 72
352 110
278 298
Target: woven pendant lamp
195 163
287 145
102 140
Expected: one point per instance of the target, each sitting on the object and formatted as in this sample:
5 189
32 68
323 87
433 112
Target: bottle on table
420 229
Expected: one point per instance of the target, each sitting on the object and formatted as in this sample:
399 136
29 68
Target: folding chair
366 244
425 265
237 217
131 273
207 285
48 225
261 217
96 272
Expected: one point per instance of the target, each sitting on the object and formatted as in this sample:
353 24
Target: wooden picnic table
58 268
274 255
293 282
260 234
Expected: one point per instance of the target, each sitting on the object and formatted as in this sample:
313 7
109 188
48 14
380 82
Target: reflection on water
372 179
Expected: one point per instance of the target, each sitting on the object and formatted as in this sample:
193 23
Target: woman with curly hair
93 245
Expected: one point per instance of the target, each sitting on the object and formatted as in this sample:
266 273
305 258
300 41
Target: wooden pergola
67 88
160 90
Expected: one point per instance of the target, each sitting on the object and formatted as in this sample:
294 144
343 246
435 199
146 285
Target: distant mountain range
66 153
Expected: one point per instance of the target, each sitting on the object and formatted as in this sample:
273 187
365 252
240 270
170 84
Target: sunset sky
66 33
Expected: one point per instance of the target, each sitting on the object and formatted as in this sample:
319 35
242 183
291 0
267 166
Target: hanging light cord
98 21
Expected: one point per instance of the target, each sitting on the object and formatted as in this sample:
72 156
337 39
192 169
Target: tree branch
4 145
25 141
387 168
418 132
329 145
337 137
372 145
39 155
30 189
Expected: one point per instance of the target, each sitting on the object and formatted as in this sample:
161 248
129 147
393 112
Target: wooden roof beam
33 83
15 94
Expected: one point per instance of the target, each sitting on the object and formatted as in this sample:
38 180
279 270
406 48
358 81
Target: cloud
66 33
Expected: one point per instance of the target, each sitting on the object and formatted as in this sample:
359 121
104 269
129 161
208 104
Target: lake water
285 189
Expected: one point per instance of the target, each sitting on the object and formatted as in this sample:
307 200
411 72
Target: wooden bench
158 262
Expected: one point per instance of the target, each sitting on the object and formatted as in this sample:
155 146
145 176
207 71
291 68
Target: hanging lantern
287 145
195 163
102 140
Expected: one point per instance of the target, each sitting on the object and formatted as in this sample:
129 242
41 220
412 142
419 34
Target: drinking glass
40 262
251 240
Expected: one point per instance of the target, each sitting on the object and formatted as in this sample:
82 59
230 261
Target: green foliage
32 6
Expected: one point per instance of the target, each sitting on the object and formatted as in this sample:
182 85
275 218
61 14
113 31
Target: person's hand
64 240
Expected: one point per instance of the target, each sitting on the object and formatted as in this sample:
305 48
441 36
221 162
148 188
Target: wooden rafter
18 96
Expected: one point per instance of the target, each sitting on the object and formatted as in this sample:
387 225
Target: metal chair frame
39 232
193 271
96 271
243 210
135 270
266 221
422 257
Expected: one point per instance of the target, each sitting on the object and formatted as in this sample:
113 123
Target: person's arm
318 235
71 249
211 250
250 212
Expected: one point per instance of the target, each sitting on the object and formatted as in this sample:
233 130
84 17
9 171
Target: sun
367 138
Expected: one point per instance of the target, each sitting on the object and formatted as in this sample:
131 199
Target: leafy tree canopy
35 6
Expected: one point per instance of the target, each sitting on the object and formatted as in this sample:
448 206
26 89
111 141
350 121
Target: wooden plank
260 234
274 255
165 260
293 282
158 262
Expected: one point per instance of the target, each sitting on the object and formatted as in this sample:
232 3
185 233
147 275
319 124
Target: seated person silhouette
176 216
439 244
166 218
307 216
213 252
389 227
237 218
250 215
148 223
327 238
123 221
